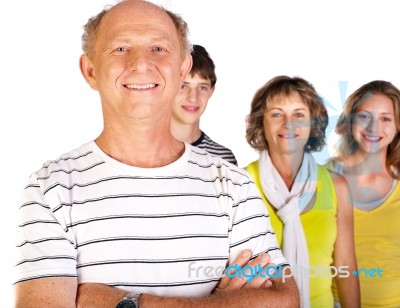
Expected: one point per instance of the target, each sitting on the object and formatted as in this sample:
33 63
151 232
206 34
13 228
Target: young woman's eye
386 119
363 116
276 115
299 115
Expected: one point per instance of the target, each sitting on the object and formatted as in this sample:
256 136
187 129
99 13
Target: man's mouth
140 86
191 108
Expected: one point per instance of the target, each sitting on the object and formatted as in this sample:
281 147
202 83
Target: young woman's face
374 124
287 125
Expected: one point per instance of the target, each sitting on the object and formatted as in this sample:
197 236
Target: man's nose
192 95
138 60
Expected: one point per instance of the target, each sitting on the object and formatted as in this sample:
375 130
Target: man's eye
121 49
158 49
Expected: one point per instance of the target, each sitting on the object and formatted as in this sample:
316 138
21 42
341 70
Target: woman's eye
363 116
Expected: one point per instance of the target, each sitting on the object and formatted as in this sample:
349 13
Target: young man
191 102
135 217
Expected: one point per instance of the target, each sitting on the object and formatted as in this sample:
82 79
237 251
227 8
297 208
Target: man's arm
46 292
62 292
232 292
279 294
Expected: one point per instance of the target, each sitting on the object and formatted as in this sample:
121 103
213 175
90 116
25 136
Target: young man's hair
203 65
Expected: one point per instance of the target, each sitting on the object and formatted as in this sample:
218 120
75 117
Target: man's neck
188 133
140 145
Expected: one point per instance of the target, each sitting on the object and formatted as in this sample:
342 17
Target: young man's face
192 99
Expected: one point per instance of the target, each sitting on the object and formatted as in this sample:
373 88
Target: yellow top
377 240
320 230
377 243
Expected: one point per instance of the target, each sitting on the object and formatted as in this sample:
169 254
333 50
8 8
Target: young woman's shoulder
339 181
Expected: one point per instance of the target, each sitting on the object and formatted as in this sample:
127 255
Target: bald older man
135 217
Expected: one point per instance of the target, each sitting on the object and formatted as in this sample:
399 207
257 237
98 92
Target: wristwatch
130 300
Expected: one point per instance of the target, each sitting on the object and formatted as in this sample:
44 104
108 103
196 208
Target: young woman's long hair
348 145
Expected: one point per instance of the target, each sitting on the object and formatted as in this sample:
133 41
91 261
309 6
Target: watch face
126 303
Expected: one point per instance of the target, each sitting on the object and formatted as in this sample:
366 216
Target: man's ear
88 71
186 66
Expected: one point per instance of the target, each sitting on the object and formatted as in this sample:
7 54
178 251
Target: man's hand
252 277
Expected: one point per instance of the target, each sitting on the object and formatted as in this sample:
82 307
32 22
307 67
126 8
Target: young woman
369 158
310 208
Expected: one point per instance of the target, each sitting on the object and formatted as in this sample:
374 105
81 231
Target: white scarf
289 205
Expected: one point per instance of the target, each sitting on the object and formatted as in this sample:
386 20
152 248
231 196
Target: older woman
310 208
369 158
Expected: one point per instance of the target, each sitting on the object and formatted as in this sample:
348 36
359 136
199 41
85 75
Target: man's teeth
140 87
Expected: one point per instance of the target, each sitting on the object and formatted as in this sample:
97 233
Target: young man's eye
183 87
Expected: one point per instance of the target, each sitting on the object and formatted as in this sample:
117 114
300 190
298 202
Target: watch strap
130 299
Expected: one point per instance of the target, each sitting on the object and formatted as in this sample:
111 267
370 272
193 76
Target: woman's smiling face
287 124
373 125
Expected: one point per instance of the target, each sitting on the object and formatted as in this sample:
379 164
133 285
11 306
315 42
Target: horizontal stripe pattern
216 149
162 230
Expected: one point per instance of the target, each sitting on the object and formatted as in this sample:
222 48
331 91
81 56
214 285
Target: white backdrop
47 109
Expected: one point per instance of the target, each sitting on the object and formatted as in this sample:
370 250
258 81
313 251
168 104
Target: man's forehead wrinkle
156 29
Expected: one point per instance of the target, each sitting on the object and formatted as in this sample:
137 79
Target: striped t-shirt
209 145
168 231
